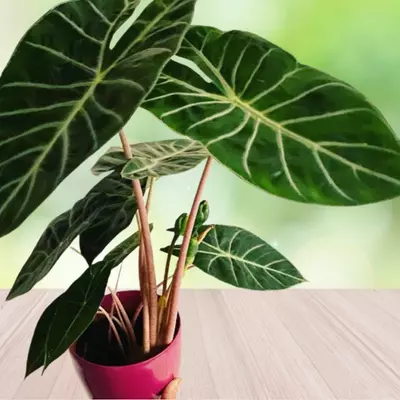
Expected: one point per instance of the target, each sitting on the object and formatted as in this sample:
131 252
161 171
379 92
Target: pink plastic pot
143 380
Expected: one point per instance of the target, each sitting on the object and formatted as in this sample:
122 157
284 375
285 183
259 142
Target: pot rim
72 348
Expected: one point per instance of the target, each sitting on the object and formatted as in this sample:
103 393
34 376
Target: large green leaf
103 213
283 126
70 314
240 258
65 92
153 159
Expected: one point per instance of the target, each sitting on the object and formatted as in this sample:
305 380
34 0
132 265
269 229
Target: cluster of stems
159 311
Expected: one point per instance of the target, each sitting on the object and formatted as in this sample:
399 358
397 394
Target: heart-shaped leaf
103 213
285 127
153 159
70 314
65 92
240 258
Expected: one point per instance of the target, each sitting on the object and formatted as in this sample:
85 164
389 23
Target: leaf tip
12 294
29 370
9 296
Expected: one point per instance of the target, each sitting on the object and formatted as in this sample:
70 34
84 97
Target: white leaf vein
77 28
232 133
311 118
187 106
249 145
285 166
329 178
212 117
61 56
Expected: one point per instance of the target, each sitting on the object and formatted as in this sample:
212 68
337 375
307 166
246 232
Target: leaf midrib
223 253
231 96
42 157
98 78
88 94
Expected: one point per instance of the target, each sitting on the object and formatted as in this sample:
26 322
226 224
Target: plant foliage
283 126
65 92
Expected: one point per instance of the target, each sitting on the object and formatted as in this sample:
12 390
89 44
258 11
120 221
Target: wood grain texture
291 345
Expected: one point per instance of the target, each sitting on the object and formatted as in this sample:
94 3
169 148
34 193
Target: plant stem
180 268
148 250
123 317
113 305
143 282
125 145
144 289
164 299
168 262
144 305
115 319
165 311
148 255
105 313
205 233
120 324
151 181
139 309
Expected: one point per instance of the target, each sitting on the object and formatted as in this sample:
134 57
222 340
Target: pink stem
150 277
180 269
140 308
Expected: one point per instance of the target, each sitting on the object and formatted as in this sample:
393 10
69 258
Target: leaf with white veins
118 205
153 159
287 128
70 314
242 259
65 92
103 213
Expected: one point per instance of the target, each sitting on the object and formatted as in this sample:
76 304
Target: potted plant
72 84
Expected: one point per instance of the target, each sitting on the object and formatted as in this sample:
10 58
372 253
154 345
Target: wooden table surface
292 345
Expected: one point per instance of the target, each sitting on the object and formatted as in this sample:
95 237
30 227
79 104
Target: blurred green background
354 40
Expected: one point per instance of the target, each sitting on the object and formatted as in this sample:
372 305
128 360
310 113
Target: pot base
108 375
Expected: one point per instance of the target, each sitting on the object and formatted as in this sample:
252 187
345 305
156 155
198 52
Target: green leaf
65 92
240 258
154 159
120 252
287 128
118 207
70 314
103 213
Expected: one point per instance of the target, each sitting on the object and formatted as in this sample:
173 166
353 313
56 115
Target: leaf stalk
180 269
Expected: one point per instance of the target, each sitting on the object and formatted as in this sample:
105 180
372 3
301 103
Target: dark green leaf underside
283 126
